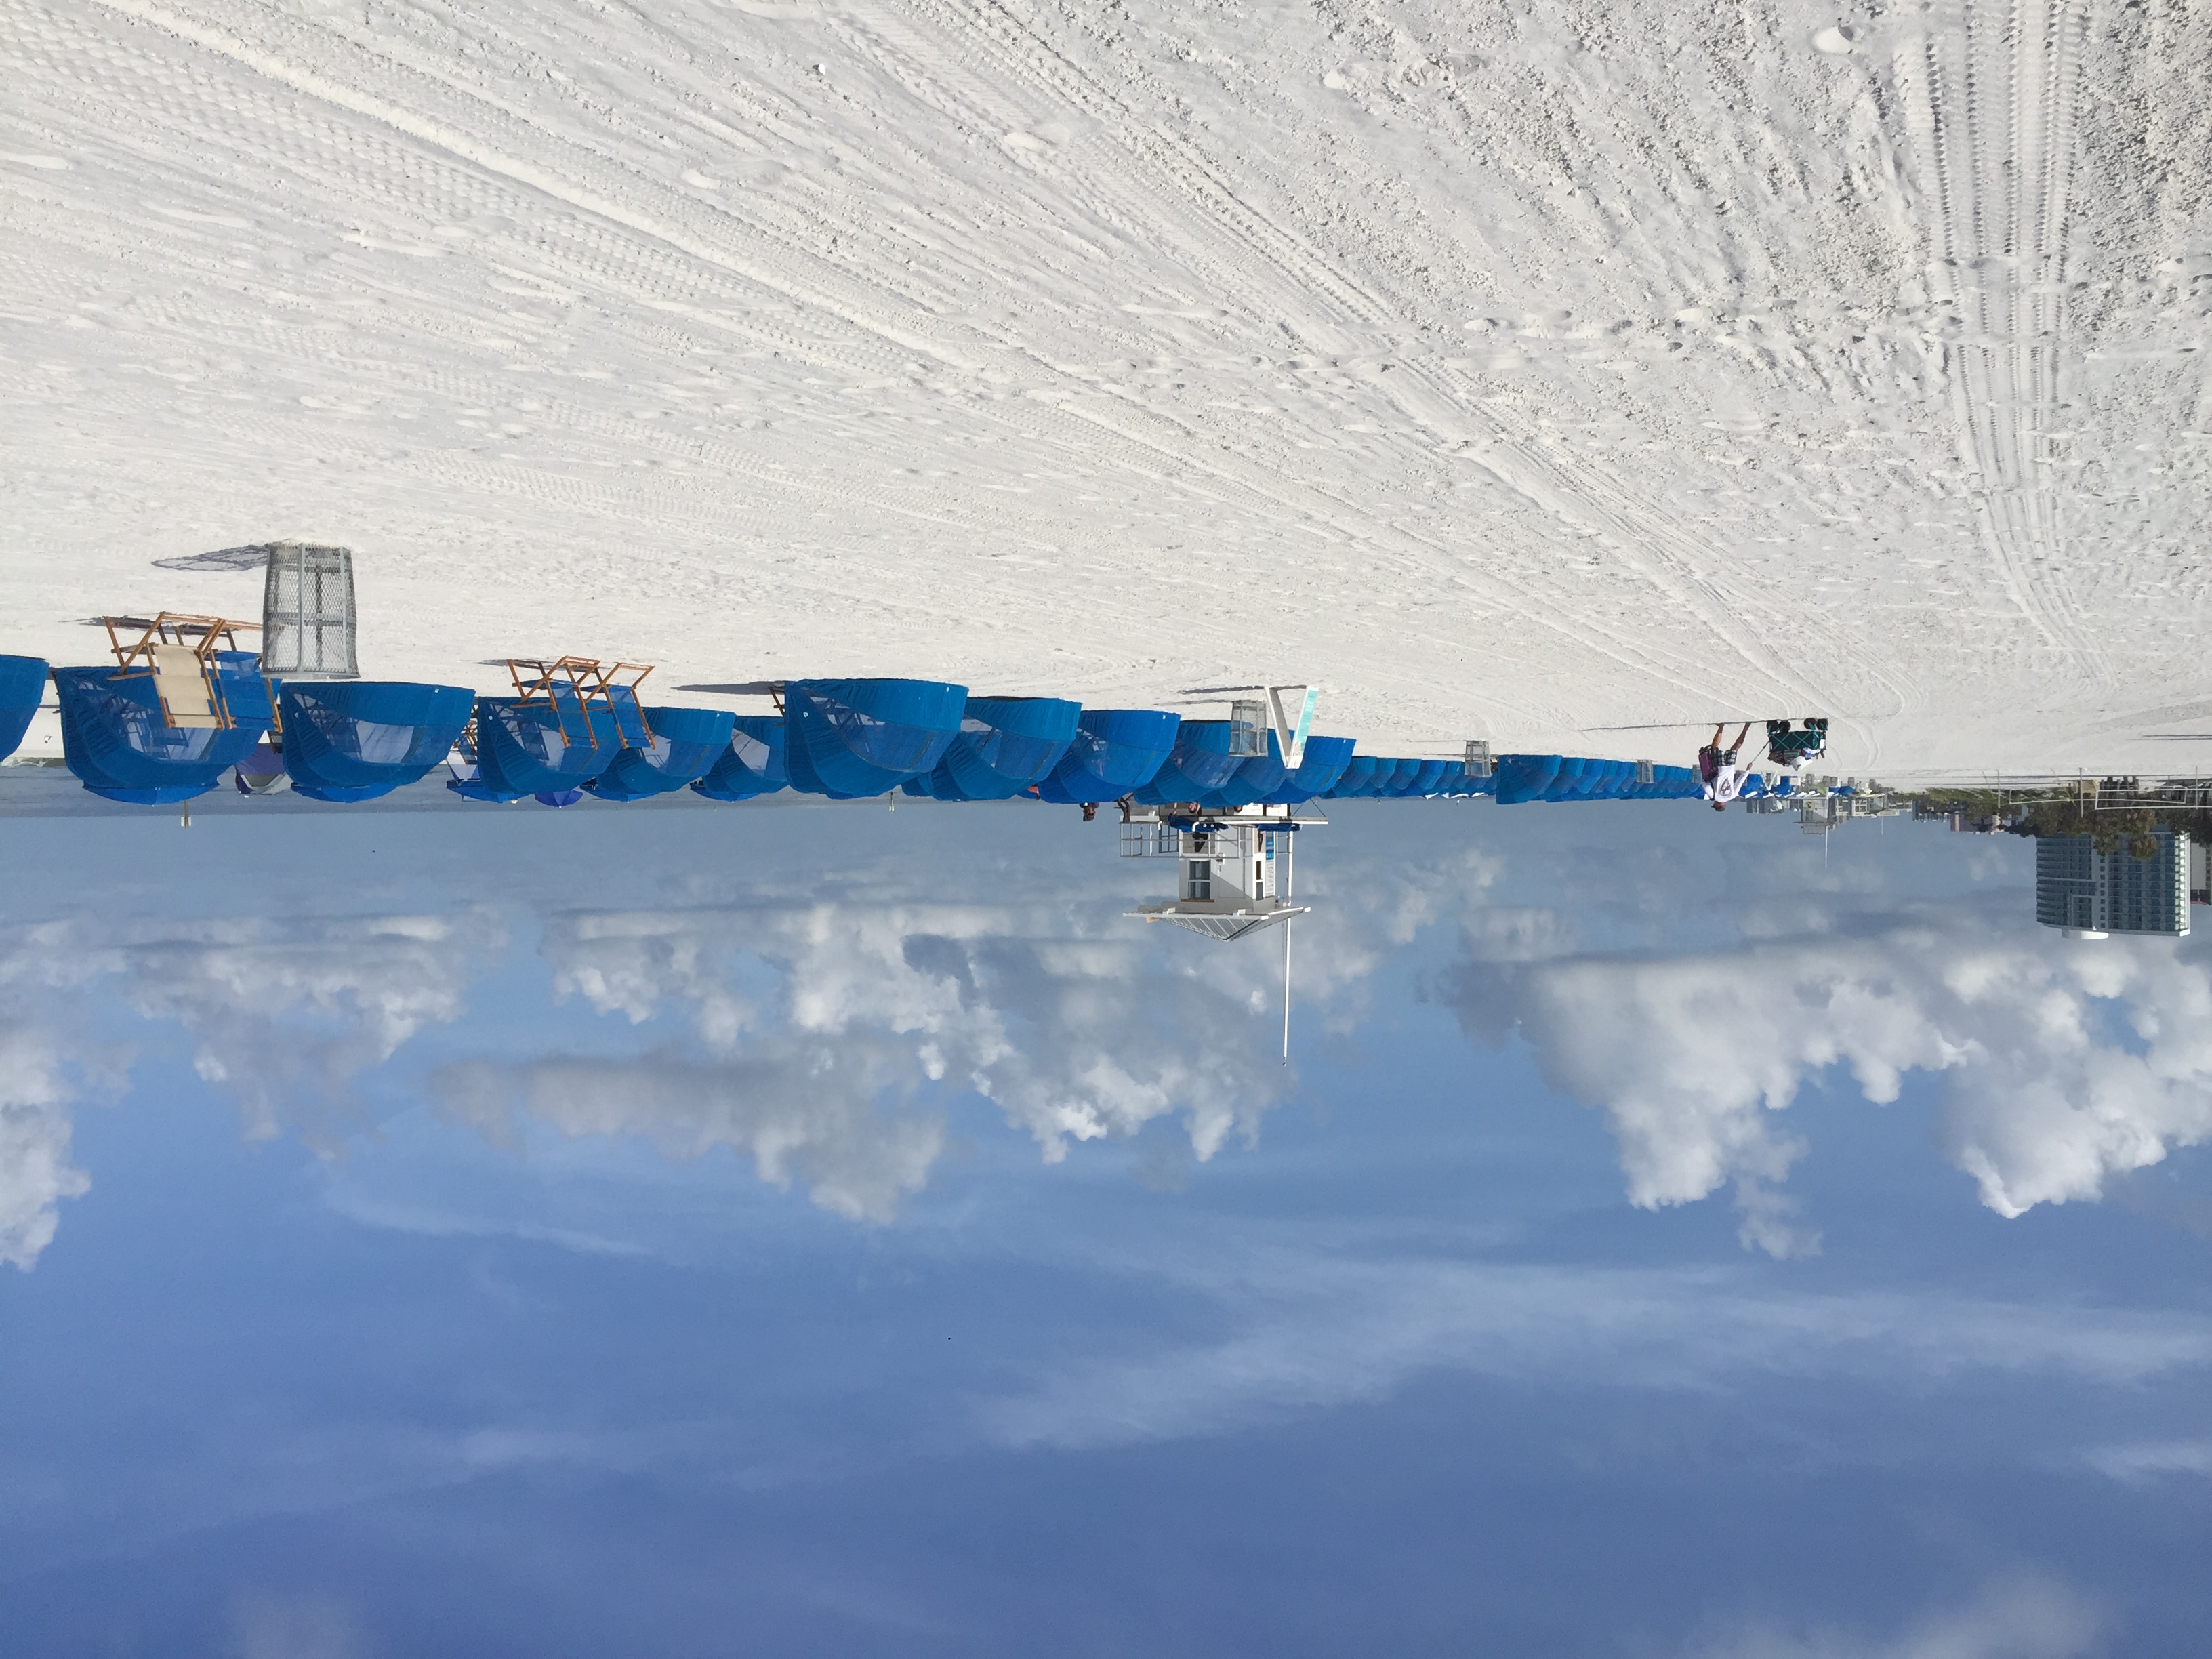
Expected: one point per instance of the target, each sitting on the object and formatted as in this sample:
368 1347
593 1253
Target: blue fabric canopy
1525 777
1256 778
1005 746
684 744
850 740
22 686
349 740
1323 765
1114 751
752 764
1567 781
1200 762
1400 780
1552 777
521 749
1430 775
1367 776
115 739
1378 780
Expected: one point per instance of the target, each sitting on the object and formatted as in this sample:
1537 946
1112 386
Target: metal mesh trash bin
307 613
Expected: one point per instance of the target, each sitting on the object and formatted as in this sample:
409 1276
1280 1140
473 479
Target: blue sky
824 1230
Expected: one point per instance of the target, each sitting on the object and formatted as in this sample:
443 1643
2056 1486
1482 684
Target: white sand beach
1564 375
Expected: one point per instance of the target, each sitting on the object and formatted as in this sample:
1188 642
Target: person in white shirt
1717 769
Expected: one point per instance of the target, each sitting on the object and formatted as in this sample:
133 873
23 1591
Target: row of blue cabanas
353 740
1524 778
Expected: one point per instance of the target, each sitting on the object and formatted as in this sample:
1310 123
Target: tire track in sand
1990 97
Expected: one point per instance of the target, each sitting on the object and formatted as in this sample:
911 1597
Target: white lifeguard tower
1233 869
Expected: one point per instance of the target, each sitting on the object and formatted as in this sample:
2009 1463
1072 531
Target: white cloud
1307 1328
288 1012
1692 1057
294 1627
825 1019
284 1013
2152 1460
2027 1617
35 1171
820 1020
820 1125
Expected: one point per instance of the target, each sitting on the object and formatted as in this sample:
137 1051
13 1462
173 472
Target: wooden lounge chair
180 652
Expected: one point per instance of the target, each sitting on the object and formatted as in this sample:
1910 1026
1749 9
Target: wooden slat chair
180 680
179 651
571 685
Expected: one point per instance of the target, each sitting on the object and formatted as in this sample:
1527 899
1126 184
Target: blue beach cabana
1006 744
1400 780
752 764
1115 752
1429 778
1357 778
1322 767
1525 777
685 744
1199 763
352 740
22 686
850 740
538 747
118 744
1256 777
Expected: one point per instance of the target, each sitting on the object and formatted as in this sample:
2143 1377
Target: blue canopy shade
1114 752
752 764
521 749
1568 780
347 740
1525 777
685 744
850 740
1256 777
1324 764
1358 772
1552 777
1395 782
115 739
1005 746
1199 763
22 685
1427 778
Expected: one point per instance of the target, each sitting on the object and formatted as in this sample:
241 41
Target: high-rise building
2090 894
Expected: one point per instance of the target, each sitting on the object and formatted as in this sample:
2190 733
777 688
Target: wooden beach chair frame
569 685
177 650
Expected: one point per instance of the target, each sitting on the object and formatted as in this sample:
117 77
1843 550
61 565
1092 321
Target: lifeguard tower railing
179 653
1156 832
573 686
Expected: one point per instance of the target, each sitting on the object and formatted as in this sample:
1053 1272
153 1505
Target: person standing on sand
1717 769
